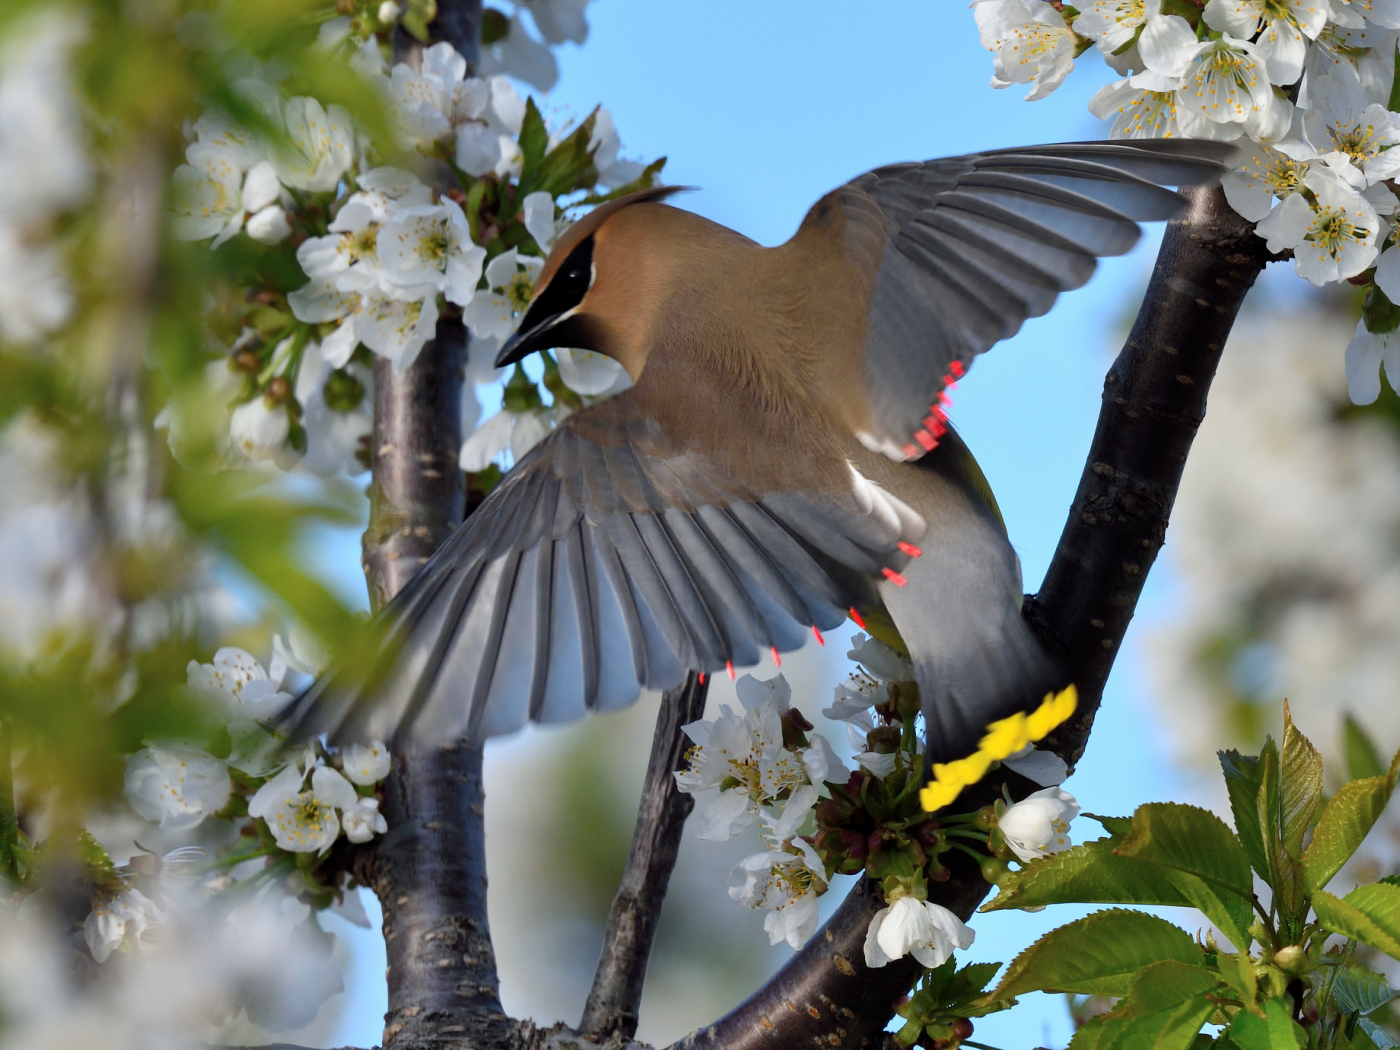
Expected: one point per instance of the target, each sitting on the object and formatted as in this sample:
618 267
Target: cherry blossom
1029 41
909 926
1038 825
176 787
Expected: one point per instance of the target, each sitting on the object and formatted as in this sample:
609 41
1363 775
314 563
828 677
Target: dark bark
429 871
616 995
1154 400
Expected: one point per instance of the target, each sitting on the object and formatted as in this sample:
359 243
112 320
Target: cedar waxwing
782 461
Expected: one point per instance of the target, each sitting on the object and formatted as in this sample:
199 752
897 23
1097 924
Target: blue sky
764 107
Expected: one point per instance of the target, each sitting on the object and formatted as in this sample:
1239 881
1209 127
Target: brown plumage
782 457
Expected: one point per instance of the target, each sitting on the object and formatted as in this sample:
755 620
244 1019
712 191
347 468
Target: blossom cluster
1305 86
764 766
386 255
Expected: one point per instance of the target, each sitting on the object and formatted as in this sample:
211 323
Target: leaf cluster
1280 987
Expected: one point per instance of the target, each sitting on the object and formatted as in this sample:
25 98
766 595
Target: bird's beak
530 336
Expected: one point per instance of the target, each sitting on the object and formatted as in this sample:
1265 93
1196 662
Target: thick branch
429 871
616 994
1154 400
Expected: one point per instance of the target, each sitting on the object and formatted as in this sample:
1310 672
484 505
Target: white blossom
1283 27
520 55
334 436
302 652
1038 825
237 680
537 212
591 374
529 430
487 442
1358 13
367 765
428 246
176 787
1029 41
926 930
1333 237
1340 120
362 820
303 821
121 922
35 295
1365 354
1043 767
560 20
787 884
396 328
613 171
320 146
259 430
1226 81
1368 52
1148 106
270 225
510 283
1263 174
746 749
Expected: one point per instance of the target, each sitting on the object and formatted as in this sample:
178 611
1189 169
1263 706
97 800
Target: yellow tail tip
1003 739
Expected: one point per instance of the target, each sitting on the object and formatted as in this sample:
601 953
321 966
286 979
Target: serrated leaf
1379 1036
1275 1030
1228 911
1300 785
1363 759
534 141
1164 1010
1370 914
1269 808
1201 858
1117 827
1189 839
1237 972
1089 873
1359 990
1344 824
1242 778
1100 954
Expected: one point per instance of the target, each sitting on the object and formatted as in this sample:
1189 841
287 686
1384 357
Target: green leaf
1269 807
1300 785
1242 779
1382 1039
1201 858
1117 827
1274 1031
1100 954
1359 990
1164 1010
1089 873
417 16
1190 839
534 140
1344 824
1363 760
1370 914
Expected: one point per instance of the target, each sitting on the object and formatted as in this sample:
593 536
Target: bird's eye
577 275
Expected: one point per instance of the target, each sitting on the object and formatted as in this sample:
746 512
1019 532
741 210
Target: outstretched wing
956 253
609 559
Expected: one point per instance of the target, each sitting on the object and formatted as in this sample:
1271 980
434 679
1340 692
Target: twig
1154 400
616 994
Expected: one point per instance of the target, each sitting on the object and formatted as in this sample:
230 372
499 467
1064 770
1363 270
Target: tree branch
1154 400
429 871
616 994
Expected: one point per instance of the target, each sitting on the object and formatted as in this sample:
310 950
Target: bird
781 462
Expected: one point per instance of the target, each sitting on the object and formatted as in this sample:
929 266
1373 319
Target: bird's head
585 295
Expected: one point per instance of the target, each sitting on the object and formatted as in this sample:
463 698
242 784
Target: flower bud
962 1029
247 361
993 870
1291 960
279 391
